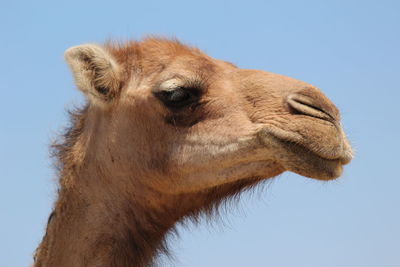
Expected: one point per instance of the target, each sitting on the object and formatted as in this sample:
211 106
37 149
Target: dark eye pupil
178 95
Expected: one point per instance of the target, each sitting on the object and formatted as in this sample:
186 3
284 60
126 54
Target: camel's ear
96 72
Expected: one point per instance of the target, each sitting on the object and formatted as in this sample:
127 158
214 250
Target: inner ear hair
96 72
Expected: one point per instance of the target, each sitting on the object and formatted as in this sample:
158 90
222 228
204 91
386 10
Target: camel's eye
179 98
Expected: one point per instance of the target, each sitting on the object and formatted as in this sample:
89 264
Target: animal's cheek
184 119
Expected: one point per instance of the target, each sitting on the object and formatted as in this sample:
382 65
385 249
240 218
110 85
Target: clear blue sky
349 49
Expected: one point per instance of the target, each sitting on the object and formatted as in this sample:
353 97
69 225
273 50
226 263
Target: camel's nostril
305 105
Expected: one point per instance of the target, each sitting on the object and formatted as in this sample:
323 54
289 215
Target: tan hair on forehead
155 54
152 47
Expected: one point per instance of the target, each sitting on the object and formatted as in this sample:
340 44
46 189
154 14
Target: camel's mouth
312 160
311 164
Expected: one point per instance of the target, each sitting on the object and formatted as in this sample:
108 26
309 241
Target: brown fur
130 168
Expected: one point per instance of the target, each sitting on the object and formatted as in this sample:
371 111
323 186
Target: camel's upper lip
342 153
343 158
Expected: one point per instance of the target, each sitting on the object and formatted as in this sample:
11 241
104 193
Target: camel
168 133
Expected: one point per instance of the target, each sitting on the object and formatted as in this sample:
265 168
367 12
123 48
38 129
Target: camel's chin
332 169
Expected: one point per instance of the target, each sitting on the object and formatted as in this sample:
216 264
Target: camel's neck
102 217
101 229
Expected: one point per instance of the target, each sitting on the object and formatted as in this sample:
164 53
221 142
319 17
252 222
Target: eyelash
179 98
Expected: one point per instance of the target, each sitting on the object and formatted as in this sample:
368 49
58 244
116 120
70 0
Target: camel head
173 119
